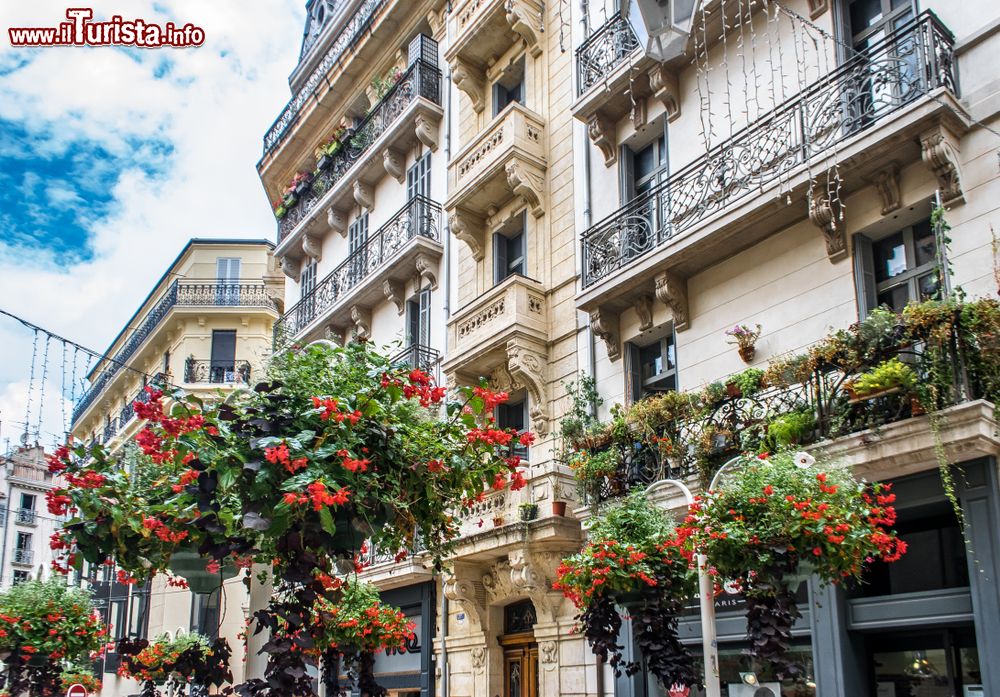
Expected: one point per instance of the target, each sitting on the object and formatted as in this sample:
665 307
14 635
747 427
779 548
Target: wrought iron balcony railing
422 79
110 429
23 556
419 217
419 356
908 63
216 372
603 51
360 22
180 294
25 516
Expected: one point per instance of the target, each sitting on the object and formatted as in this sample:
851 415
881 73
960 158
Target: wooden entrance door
520 670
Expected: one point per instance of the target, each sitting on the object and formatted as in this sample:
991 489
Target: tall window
509 252
418 325
871 20
514 415
418 193
898 269
205 614
23 551
223 364
357 237
509 88
652 368
227 273
27 502
641 171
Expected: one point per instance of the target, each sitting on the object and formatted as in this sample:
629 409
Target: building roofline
190 243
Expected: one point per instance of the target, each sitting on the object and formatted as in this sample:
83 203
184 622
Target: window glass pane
923 242
865 13
895 298
890 257
645 161
650 361
515 254
928 285
916 672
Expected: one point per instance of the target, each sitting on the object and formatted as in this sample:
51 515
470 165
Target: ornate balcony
607 49
484 29
180 294
216 372
409 244
895 103
359 23
25 516
23 557
410 111
506 160
503 335
423 357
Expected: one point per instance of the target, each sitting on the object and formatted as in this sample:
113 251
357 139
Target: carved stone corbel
527 366
469 594
469 228
640 113
818 7
824 212
605 325
602 134
886 182
525 18
291 267
644 310
426 267
663 83
532 574
939 151
426 130
312 247
526 184
471 80
337 220
395 293
362 318
364 195
393 163
671 290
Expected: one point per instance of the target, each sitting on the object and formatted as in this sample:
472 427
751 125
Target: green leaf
326 520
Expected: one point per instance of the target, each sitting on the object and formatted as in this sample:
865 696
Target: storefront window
743 677
928 664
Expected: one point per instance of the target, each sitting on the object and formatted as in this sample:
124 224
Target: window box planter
324 162
854 397
302 187
290 199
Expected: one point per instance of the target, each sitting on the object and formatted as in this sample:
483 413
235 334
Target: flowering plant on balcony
381 84
46 627
892 374
634 558
775 516
340 444
185 659
745 339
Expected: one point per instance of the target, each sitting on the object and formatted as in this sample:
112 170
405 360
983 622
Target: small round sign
77 690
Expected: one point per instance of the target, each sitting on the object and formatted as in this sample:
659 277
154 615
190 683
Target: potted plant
78 675
301 182
745 339
528 511
279 209
558 508
790 428
772 516
748 382
888 377
633 559
186 659
498 520
593 469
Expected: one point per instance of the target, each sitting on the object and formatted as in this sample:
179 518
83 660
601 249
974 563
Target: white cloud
212 105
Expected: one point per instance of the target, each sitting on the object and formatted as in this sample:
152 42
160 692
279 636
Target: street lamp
662 26
706 589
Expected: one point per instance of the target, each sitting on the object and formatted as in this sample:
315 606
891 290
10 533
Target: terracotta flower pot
733 390
747 353
559 508
498 521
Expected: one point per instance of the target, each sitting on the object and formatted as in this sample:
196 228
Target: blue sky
111 159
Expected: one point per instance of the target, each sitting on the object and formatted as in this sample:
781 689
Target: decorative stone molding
663 83
364 195
501 380
525 18
528 185
312 247
644 309
527 366
824 212
470 80
602 134
426 130
671 290
939 151
469 228
426 268
395 293
606 325
818 7
640 113
362 318
532 574
478 656
291 267
886 182
337 220
392 160
469 594
548 654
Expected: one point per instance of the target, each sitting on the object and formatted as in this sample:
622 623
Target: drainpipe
591 349
444 644
446 229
